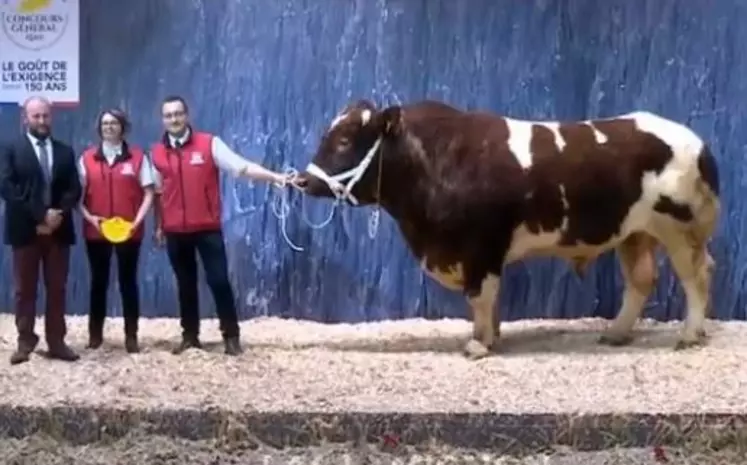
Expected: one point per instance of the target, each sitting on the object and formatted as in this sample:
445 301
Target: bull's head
346 163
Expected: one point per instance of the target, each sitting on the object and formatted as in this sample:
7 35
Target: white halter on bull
353 175
334 182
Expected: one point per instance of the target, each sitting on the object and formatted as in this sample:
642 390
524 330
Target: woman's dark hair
119 115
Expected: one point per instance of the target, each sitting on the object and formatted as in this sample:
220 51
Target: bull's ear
390 120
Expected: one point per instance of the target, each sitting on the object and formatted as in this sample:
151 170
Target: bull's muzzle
350 177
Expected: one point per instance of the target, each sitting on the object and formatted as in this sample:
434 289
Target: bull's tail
708 169
708 189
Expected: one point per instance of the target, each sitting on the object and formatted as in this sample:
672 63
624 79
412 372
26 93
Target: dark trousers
55 260
99 262
182 250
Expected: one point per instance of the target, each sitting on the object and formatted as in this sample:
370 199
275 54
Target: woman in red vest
117 180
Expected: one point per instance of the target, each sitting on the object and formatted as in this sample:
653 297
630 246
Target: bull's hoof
685 342
615 340
475 350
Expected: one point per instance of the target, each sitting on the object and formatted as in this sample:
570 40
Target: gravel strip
510 433
139 449
545 366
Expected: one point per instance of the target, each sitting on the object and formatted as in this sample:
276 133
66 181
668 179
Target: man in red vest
188 216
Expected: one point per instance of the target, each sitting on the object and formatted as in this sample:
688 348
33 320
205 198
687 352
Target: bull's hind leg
694 267
638 263
482 302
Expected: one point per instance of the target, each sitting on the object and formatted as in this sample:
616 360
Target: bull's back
592 183
429 109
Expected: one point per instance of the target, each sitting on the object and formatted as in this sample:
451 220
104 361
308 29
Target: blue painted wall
268 75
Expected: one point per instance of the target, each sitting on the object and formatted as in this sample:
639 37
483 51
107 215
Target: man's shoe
20 356
187 343
233 346
62 352
24 350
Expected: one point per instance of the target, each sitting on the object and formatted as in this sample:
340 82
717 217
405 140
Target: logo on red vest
196 158
128 170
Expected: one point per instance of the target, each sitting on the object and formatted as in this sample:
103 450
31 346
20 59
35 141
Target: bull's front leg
482 299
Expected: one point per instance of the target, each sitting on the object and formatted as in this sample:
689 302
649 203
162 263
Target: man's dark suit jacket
22 188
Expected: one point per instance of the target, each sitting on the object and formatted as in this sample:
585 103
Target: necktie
44 162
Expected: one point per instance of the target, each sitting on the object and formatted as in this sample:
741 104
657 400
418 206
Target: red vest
190 185
112 190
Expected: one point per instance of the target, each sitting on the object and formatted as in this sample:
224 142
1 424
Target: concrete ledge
509 432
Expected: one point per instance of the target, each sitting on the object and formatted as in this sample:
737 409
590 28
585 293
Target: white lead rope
281 210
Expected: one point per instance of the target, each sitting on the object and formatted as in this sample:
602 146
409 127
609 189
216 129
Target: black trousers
99 261
182 250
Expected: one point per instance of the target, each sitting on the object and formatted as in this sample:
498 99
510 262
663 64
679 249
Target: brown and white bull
473 192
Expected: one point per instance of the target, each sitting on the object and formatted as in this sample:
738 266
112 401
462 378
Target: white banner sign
39 50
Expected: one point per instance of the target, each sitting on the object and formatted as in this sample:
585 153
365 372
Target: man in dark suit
40 185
